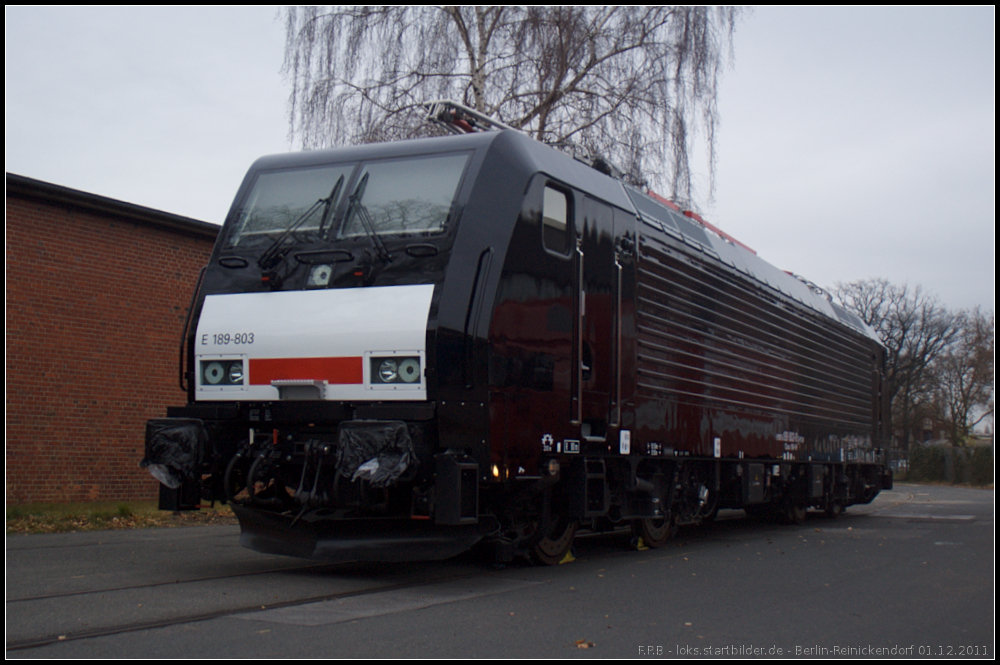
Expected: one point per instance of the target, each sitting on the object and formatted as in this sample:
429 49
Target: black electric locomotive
399 350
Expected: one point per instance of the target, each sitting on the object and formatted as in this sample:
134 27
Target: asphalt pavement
910 575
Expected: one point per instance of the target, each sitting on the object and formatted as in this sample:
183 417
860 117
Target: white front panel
325 337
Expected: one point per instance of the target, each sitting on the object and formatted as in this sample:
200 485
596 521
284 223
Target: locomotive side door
556 333
623 336
595 322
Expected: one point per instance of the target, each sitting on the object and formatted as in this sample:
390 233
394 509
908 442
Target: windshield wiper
272 255
328 208
366 220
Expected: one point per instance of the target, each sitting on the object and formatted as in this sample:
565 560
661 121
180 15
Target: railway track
73 587
77 586
13 606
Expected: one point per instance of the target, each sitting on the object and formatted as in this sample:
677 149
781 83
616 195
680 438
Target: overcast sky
854 142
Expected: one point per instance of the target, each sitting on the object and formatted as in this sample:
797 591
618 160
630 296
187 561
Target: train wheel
552 549
654 532
795 513
833 509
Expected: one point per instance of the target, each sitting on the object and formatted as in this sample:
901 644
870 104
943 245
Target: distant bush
981 468
957 465
927 463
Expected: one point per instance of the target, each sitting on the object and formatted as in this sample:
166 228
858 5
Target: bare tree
963 376
915 329
634 84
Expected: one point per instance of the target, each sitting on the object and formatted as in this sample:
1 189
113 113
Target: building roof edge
24 187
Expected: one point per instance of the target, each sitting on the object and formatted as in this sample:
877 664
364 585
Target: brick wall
97 294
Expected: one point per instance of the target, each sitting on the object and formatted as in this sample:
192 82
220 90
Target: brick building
97 291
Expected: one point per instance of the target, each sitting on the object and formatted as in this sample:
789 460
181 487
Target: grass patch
99 516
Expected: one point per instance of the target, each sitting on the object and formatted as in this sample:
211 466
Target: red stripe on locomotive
336 371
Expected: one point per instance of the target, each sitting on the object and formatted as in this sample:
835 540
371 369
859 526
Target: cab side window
555 221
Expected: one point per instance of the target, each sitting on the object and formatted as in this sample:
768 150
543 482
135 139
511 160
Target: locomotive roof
374 151
704 240
538 157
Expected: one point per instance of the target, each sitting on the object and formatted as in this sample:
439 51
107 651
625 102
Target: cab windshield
399 196
404 196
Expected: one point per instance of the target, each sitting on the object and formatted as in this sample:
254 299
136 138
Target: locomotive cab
338 369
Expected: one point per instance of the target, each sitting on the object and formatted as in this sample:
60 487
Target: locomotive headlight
214 373
409 370
222 373
388 371
397 371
